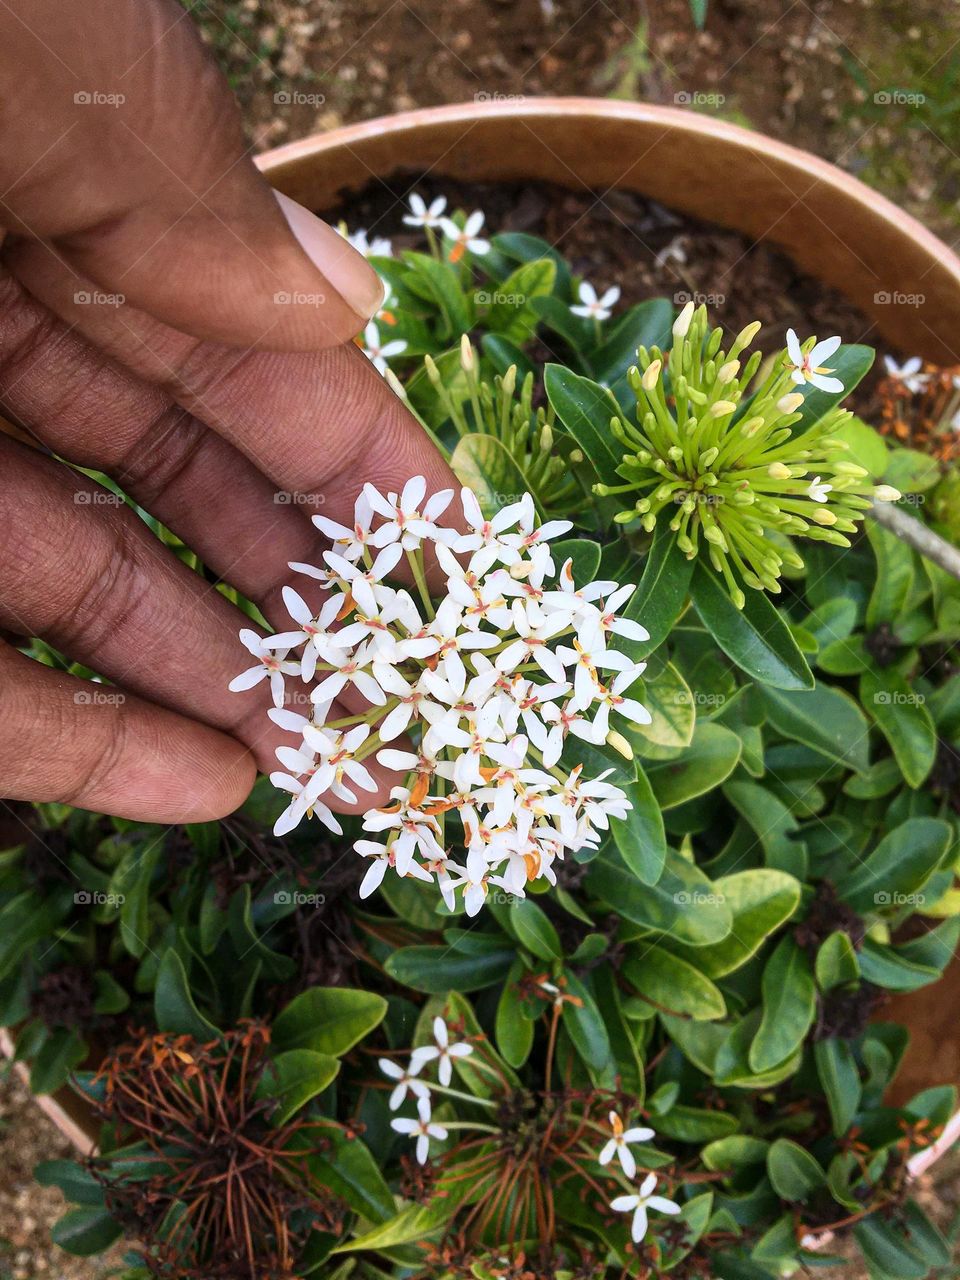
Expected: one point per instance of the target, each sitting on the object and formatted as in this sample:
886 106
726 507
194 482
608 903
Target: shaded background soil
873 85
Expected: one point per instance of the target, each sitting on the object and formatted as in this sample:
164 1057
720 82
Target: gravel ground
870 84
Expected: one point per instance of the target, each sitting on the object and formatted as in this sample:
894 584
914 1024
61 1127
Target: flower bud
651 374
681 326
886 493
791 402
777 471
620 744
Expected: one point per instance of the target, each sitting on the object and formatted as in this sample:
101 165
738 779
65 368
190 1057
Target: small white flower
407 1082
380 352
423 215
817 490
442 1051
381 858
270 666
809 367
467 238
618 1145
910 373
639 1203
378 246
423 1129
593 308
404 519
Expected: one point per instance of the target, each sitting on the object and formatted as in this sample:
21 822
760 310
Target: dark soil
650 251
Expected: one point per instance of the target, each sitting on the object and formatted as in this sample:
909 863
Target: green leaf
348 1170
173 1004
761 900
442 283
514 1032
586 1029
836 963
696 1124
732 1068
483 464
531 927
824 718
640 837
25 920
61 1051
867 447
899 866
904 721
885 968
84 1232
585 409
682 903
894 578
889 1249
789 1006
755 637
793 1171
837 1069
436 970
712 756
673 984
667 697
645 325
851 363
511 313
585 554
77 1184
328 1020
662 591
293 1078
735 1152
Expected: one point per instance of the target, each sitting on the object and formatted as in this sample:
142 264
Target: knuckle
163 454
108 596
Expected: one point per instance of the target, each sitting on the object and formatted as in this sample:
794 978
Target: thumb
121 150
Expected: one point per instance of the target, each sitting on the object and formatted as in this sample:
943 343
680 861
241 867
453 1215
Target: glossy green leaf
904 721
755 637
662 591
437 970
761 900
173 1003
682 903
673 984
63 1049
293 1078
84 1232
793 1171
483 464
514 1031
824 718
837 1070
585 409
328 1020
898 867
894 578
789 1006
836 963
712 756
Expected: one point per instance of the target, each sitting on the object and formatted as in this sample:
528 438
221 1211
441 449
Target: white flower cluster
488 685
410 1081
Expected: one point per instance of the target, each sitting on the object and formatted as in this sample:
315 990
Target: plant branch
916 534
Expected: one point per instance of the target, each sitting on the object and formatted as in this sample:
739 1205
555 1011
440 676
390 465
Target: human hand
206 400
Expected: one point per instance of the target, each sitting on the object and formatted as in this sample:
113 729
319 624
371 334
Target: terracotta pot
836 229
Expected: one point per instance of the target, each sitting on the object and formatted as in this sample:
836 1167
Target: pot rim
688 123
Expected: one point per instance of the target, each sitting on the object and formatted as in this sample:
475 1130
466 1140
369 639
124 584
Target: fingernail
347 270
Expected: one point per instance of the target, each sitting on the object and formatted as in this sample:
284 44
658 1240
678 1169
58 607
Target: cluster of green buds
723 466
503 408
